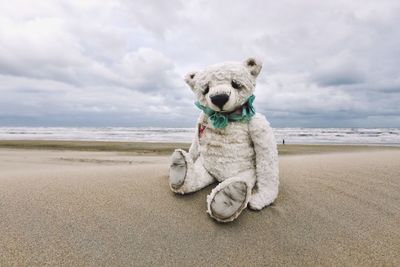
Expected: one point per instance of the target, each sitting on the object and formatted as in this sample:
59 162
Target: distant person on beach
283 141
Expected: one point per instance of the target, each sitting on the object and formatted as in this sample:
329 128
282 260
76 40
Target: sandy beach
109 204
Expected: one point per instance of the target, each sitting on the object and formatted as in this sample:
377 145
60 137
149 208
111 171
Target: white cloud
123 61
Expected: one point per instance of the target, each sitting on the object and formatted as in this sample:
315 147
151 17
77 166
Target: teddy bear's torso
226 152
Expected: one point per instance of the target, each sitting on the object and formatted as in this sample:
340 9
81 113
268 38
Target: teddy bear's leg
230 198
178 169
186 176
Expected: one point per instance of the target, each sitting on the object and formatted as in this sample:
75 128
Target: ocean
383 136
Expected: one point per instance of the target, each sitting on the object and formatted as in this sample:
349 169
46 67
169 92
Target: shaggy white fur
243 156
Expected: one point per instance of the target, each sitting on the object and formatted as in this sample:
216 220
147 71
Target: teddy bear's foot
228 201
178 169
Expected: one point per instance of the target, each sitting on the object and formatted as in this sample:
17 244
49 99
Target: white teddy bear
233 145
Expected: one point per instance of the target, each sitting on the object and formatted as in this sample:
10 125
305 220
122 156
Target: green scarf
220 119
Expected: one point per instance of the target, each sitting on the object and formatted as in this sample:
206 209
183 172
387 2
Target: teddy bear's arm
194 150
267 168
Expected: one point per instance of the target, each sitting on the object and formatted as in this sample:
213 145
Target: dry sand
80 208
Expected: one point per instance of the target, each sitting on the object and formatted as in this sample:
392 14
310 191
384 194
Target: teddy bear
233 145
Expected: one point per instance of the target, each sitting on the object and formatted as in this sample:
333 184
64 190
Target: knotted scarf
220 119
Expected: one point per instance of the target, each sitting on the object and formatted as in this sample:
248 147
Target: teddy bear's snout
219 100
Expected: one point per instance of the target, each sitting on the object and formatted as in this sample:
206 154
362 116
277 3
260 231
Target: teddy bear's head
227 86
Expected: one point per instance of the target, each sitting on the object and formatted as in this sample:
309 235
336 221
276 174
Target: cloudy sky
121 63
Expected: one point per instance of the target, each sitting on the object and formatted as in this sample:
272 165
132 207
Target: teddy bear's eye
236 84
206 89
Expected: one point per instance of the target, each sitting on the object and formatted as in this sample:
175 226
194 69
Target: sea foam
387 136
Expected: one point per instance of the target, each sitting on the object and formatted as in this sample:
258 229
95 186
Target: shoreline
165 148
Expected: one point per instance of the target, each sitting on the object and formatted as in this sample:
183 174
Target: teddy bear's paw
255 204
177 170
262 199
229 201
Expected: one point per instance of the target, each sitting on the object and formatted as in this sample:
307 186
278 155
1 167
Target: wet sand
114 208
153 148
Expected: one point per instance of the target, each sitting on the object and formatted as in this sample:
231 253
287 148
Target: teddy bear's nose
219 100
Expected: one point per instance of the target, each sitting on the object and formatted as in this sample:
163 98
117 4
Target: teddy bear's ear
253 65
189 78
